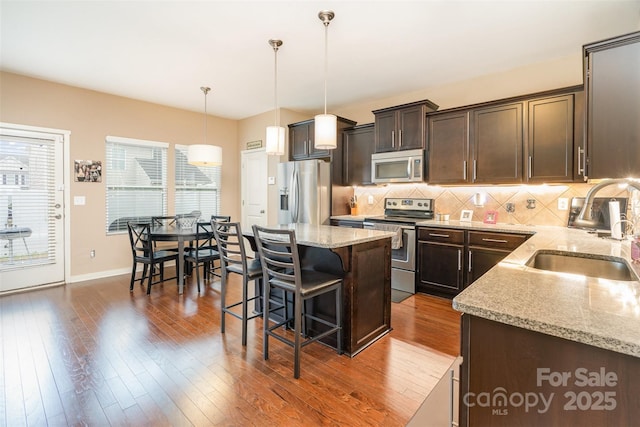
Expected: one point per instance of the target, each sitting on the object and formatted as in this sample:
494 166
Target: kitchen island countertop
598 312
330 237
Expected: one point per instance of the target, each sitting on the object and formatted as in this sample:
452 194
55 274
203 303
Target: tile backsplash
534 204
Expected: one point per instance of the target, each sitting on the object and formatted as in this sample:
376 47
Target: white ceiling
163 51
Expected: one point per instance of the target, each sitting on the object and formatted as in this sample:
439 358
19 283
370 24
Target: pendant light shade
325 124
203 154
275 134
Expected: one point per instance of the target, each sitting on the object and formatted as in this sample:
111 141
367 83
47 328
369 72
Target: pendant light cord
326 62
275 85
205 90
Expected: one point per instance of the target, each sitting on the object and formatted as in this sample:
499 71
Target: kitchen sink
600 266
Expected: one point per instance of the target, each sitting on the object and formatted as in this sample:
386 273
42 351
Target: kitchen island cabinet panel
504 360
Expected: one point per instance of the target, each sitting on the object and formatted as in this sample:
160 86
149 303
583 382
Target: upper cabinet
612 89
358 146
532 138
401 127
550 150
496 144
301 140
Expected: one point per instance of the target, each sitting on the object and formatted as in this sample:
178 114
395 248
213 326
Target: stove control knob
419 204
394 203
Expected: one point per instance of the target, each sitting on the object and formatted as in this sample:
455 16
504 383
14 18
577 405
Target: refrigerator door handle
295 194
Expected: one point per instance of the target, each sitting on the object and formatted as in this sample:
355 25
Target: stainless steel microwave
397 166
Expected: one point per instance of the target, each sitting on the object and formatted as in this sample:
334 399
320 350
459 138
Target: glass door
31 208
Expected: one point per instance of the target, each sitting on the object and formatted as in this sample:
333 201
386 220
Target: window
197 187
136 181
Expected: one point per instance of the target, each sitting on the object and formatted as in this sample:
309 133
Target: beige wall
91 116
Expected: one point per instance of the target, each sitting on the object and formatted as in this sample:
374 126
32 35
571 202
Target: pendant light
326 125
203 154
275 133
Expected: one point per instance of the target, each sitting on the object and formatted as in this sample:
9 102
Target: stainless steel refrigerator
304 191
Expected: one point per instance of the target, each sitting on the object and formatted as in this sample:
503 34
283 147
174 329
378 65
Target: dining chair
233 259
216 269
143 252
164 221
281 269
204 252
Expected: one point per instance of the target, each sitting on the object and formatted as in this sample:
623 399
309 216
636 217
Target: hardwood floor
94 354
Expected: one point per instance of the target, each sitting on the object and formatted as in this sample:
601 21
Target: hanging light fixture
203 154
275 133
326 127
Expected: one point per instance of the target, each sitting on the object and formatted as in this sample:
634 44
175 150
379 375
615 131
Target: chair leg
133 276
265 318
197 268
150 280
297 333
339 318
245 285
223 301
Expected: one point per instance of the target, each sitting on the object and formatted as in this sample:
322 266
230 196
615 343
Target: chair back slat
163 221
279 255
139 238
230 243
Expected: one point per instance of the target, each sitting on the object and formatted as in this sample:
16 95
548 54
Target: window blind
27 199
197 187
136 181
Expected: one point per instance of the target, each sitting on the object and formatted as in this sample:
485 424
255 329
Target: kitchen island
548 348
363 259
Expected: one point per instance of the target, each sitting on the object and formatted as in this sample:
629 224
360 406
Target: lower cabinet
512 376
451 259
346 223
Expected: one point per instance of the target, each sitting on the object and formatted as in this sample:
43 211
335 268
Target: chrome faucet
584 218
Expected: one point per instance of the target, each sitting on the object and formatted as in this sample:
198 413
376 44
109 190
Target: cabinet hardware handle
452 380
494 240
470 261
446 236
475 174
530 167
399 137
393 138
459 260
464 170
580 167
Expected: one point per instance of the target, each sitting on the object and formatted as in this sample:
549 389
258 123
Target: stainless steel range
401 215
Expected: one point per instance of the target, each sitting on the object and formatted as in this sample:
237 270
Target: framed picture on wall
491 217
466 215
88 170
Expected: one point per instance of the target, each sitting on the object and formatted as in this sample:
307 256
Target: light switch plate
271 180
79 200
563 204
370 200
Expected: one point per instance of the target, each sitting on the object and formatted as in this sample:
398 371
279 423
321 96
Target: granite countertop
326 236
598 312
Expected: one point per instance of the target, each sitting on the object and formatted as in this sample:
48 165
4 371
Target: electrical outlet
370 200
92 254
563 204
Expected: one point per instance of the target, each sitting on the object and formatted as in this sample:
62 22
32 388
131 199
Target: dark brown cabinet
501 360
358 146
346 223
550 139
496 144
440 261
448 147
451 259
401 127
486 249
612 88
301 140
484 144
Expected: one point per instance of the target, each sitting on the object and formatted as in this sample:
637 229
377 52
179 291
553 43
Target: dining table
173 233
